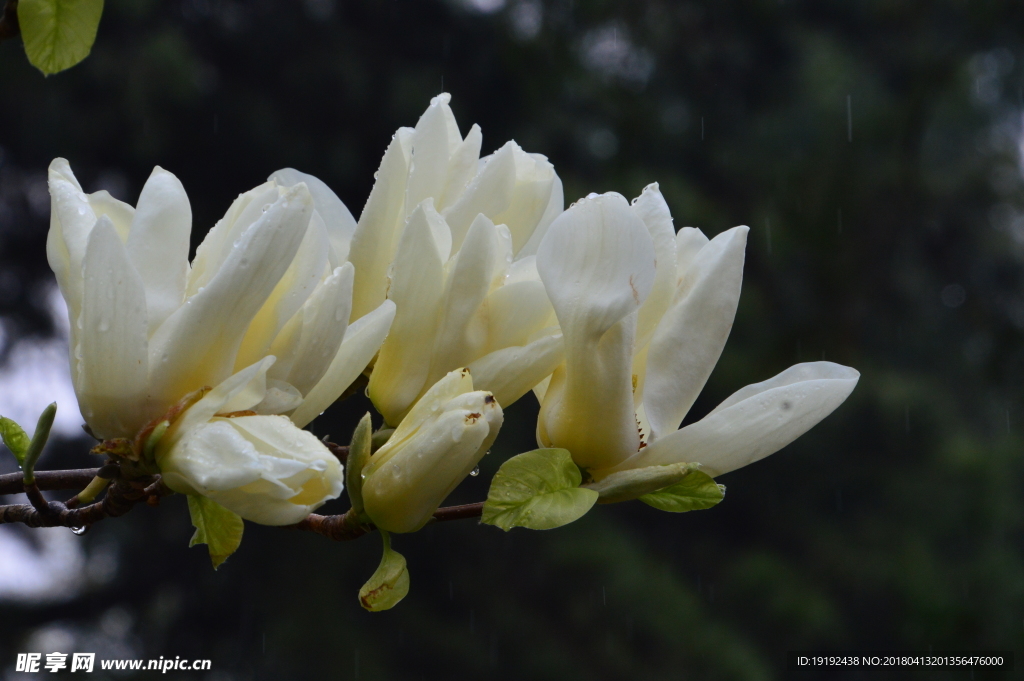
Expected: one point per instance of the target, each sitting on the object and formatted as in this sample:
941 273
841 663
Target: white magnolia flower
449 238
645 313
261 467
147 327
433 160
434 448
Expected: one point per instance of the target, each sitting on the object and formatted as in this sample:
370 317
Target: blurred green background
873 146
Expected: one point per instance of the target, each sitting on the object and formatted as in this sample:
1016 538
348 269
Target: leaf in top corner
217 527
695 492
538 490
15 437
58 33
389 583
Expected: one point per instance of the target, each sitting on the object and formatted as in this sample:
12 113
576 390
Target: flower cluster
463 285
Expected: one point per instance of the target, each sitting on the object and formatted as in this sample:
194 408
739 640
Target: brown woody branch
9 26
13 483
123 495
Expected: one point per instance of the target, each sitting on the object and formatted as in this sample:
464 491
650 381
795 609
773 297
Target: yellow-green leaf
216 526
538 490
695 492
58 33
389 583
15 437
636 482
358 456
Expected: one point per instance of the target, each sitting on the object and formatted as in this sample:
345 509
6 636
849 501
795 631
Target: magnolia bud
435 447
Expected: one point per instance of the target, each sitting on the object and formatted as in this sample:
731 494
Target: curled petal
756 421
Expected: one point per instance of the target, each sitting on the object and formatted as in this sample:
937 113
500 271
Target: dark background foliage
872 146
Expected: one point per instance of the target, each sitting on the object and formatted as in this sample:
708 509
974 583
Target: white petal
71 220
324 321
530 198
689 241
650 206
755 421
512 314
489 193
197 345
218 242
461 168
291 292
112 334
690 338
238 392
337 218
512 372
158 243
428 167
417 286
465 289
376 235
120 213
362 340
597 265
431 404
556 204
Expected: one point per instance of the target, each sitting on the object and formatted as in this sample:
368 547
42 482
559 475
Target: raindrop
475 472
80 530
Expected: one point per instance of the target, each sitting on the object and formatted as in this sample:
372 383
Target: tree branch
9 26
13 483
122 496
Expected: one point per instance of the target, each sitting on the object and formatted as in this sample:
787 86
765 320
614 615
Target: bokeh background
873 146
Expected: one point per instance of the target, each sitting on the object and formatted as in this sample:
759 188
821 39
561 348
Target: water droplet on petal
475 472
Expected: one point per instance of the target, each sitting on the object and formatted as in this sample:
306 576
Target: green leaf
15 438
358 455
538 490
636 482
389 583
39 438
216 526
58 33
695 492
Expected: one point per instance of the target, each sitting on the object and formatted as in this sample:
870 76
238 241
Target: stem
49 480
346 527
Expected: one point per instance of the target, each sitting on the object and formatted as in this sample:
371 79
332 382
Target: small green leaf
695 492
538 490
389 583
15 438
39 438
358 455
636 482
216 526
58 33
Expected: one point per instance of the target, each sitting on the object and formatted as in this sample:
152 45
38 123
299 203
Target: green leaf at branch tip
217 527
58 33
538 490
358 455
15 437
39 438
389 583
695 492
